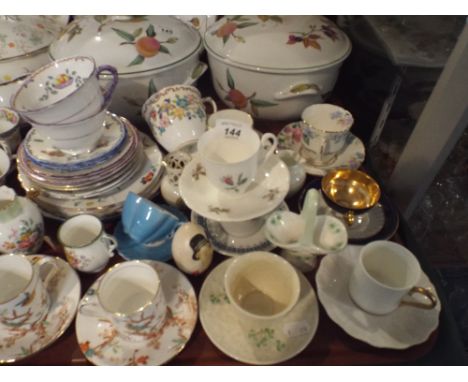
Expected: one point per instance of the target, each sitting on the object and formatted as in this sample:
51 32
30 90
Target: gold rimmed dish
350 192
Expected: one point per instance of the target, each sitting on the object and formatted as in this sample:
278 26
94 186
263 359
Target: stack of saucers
96 181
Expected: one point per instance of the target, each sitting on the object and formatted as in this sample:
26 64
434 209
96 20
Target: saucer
65 291
130 249
379 223
406 326
252 341
290 137
101 344
40 150
229 245
261 197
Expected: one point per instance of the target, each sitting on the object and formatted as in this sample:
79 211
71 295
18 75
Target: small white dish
290 137
64 291
101 344
253 341
225 243
406 326
262 196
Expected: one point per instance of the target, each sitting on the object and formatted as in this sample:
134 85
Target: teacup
9 129
64 91
24 299
261 286
232 156
146 222
350 192
229 118
75 137
325 132
384 274
176 115
131 295
87 247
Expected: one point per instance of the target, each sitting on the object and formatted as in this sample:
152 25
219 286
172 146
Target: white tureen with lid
23 48
275 66
149 52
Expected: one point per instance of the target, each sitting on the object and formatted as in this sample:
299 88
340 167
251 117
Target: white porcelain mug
131 295
176 115
86 246
232 156
24 299
262 286
386 273
325 132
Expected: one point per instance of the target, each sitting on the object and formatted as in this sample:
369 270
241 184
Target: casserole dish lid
132 44
278 42
22 39
22 35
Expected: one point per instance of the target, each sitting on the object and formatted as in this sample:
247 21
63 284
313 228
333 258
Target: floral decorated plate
101 344
262 196
64 289
290 136
39 150
404 327
230 245
252 341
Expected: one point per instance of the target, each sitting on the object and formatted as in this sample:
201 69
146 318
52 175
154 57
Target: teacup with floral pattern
64 91
325 132
176 115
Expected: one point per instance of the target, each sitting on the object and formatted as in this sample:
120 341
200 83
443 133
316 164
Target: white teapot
21 223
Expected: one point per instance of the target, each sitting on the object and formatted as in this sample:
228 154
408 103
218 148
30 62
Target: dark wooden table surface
330 346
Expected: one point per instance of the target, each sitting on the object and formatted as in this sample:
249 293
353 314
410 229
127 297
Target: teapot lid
132 44
278 42
21 35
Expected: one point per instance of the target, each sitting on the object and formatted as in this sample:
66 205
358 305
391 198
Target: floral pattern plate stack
94 182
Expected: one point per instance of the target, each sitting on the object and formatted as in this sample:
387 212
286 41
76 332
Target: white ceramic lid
130 43
21 35
278 42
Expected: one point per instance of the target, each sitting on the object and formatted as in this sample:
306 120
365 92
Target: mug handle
46 275
107 93
6 148
111 242
416 304
211 102
273 144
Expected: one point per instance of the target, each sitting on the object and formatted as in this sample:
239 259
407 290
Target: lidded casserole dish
275 66
149 52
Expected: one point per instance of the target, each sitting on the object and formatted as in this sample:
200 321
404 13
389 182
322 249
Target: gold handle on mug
417 304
